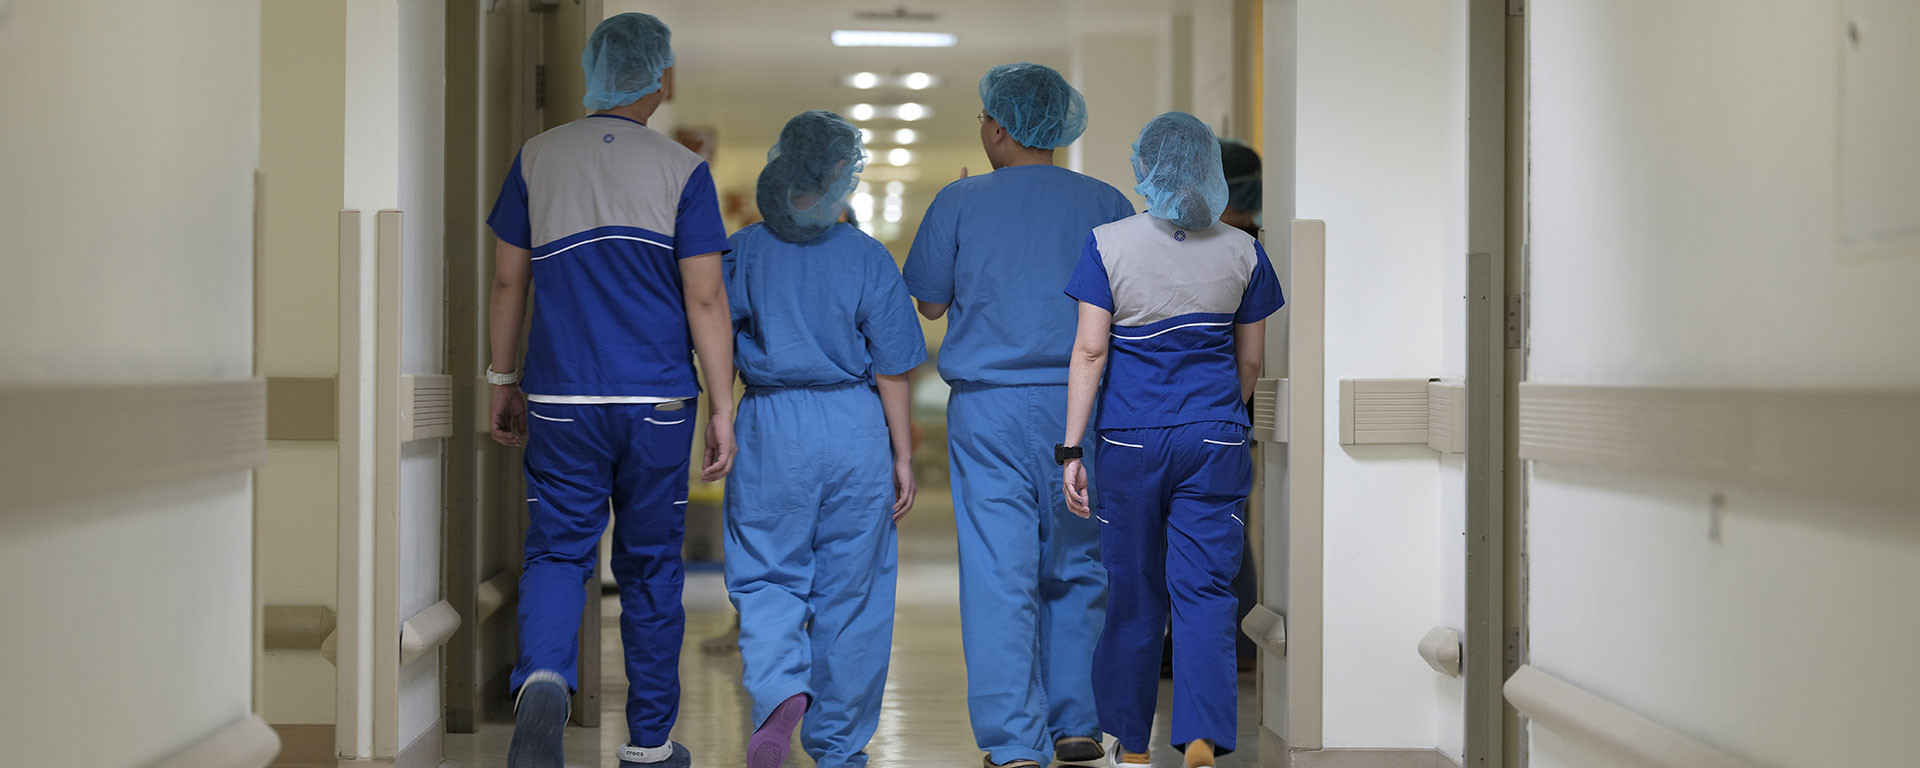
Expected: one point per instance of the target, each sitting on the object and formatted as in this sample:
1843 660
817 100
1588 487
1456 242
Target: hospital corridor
953 383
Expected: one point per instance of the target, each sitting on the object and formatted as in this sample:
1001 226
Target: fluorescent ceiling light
911 112
864 80
905 136
918 80
861 112
855 38
899 156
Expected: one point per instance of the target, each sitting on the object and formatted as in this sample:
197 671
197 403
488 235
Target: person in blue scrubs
992 252
822 323
1178 303
616 229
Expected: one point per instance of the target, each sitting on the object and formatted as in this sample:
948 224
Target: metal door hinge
539 86
1516 320
1512 651
1516 7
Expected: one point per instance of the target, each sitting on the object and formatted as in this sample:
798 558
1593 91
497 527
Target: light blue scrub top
832 310
998 247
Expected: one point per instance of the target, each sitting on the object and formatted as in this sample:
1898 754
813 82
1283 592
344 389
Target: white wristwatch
502 379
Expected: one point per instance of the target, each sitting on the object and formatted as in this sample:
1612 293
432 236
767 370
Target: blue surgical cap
1035 104
809 172
1242 167
1176 161
625 59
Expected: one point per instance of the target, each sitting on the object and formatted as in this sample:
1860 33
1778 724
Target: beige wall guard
1857 443
1267 630
134 435
1619 734
1441 650
427 630
1306 478
247 743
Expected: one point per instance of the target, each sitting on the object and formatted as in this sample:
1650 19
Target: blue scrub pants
1168 501
811 560
1032 591
579 457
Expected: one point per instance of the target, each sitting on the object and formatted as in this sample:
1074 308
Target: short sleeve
735 275
1121 207
697 228
895 342
929 270
1263 291
1089 281
509 219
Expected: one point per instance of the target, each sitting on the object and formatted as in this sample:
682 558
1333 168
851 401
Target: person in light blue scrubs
1179 302
993 250
821 322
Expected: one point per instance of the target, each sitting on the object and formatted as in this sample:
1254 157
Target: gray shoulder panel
1158 271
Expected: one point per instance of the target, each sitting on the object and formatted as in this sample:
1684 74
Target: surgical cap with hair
624 60
1176 161
809 173
1035 104
1242 168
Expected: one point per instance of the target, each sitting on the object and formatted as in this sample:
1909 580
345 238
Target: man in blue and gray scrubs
994 250
618 229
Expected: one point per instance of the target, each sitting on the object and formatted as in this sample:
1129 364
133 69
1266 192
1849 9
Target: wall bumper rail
1620 735
427 630
1267 629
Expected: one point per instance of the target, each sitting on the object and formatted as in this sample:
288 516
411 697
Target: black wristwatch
1064 453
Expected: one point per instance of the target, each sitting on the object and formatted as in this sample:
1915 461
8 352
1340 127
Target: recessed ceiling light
892 215
894 188
918 80
851 38
899 156
866 135
905 136
861 112
864 80
911 112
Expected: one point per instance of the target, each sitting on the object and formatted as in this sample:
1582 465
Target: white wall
128 220
1684 231
1378 139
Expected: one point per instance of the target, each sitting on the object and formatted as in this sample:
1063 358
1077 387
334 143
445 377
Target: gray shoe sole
538 722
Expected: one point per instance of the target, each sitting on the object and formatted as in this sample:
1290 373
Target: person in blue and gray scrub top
996 248
1178 302
618 230
821 323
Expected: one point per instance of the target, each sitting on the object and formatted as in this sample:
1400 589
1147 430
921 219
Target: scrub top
997 247
1175 296
608 207
832 310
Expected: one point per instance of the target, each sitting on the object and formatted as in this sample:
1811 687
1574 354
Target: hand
1073 479
963 171
720 447
904 489
507 416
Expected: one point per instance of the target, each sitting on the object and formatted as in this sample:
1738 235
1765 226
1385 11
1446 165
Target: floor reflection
925 718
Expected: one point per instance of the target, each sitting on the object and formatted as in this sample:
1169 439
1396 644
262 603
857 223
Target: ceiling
743 67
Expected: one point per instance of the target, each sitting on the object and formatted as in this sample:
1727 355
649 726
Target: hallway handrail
1619 734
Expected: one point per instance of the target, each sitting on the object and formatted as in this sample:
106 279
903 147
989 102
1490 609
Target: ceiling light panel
874 38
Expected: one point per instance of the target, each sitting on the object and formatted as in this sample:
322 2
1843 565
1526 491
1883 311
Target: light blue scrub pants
578 457
1168 503
811 560
1032 592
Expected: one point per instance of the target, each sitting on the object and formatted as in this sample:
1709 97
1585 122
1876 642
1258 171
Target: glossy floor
924 722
